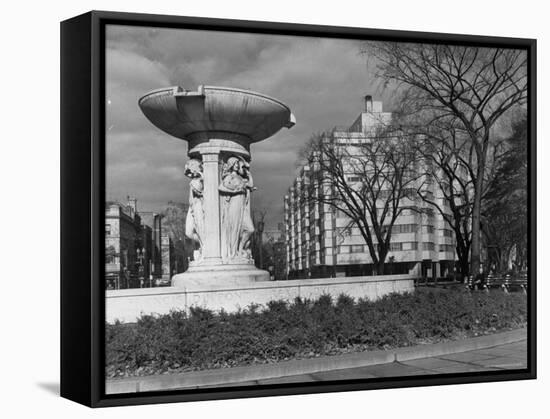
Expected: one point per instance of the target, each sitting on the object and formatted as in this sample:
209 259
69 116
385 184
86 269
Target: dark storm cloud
321 80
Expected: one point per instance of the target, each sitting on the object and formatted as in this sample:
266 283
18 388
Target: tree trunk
463 261
476 216
382 254
464 266
380 267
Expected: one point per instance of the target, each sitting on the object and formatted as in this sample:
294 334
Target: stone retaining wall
128 305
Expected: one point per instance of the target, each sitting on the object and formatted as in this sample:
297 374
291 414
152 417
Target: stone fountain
219 124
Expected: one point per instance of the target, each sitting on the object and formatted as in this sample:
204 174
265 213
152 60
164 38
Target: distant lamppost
141 268
261 225
140 255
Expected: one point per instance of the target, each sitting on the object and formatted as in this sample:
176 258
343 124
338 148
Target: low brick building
139 249
122 231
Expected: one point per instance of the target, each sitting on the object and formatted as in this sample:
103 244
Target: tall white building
321 243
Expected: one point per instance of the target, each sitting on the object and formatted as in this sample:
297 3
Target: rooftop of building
371 117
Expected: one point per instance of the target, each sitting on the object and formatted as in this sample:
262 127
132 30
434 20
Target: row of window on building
395 247
408 211
398 229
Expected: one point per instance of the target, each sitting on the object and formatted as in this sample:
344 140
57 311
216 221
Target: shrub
203 339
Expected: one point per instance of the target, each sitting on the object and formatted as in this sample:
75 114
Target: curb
452 347
231 376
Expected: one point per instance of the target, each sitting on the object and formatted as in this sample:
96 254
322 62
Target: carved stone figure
194 222
236 222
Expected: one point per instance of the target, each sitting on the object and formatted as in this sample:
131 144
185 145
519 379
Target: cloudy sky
321 80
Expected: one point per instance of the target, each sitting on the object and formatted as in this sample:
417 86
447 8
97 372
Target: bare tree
473 86
173 221
447 166
371 182
258 219
505 201
449 163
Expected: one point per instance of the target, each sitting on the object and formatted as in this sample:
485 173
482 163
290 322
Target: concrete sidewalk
502 357
505 350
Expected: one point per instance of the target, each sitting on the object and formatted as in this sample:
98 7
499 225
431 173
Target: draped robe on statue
194 222
236 222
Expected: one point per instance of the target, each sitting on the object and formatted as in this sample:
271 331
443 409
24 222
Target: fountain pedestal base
241 274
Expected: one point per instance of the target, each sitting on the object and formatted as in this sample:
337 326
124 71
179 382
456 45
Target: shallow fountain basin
216 112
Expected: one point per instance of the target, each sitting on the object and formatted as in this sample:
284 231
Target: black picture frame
83 201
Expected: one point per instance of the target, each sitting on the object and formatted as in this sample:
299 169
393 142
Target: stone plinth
128 305
220 275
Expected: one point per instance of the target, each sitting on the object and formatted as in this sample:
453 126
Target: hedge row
199 340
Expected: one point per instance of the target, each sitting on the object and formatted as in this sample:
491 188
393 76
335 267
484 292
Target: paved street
502 357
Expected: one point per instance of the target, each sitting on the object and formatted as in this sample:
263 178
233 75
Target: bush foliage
199 340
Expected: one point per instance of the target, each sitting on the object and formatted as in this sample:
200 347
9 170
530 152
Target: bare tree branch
466 88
